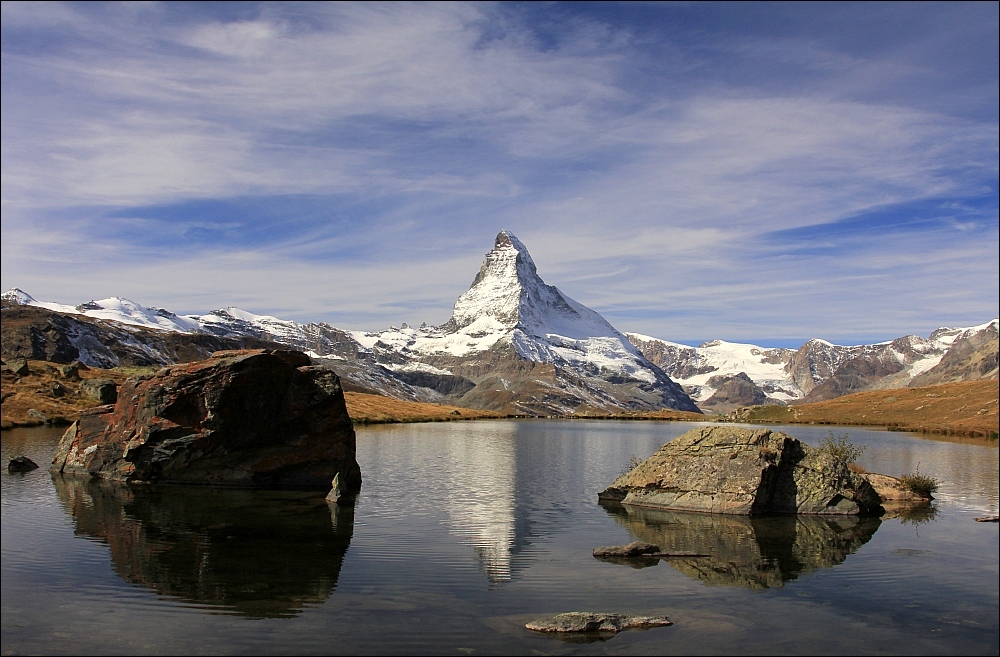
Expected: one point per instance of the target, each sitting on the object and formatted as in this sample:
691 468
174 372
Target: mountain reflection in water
752 552
262 554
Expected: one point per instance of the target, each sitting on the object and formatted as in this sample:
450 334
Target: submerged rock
742 471
256 418
584 621
21 464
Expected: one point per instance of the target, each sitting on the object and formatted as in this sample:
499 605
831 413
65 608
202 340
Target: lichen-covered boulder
101 390
241 418
744 471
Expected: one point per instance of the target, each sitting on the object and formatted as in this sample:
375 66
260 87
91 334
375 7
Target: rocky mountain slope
819 370
36 333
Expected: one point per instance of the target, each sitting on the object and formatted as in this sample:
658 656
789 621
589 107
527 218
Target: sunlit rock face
741 471
750 552
261 554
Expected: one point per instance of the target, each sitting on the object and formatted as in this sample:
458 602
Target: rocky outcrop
970 358
739 471
241 418
104 391
732 392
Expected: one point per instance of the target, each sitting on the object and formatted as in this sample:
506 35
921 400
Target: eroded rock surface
743 471
256 418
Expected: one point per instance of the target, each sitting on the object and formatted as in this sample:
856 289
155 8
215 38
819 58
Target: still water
465 531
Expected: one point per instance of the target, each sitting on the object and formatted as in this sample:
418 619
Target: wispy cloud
352 162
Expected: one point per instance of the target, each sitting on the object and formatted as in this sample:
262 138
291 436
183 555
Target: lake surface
465 531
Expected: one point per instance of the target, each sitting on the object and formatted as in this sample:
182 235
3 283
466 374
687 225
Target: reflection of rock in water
257 553
755 552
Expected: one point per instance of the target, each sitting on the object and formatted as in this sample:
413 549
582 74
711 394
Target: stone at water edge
259 418
891 489
585 621
21 464
744 471
633 549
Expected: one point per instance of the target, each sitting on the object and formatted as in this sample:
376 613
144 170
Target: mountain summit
508 292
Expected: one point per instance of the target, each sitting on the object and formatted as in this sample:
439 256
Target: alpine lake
465 531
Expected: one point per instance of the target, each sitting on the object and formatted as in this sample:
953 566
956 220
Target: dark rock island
740 471
255 418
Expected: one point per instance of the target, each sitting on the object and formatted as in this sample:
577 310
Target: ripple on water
466 531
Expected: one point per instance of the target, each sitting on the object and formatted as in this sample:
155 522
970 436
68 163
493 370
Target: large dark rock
241 418
743 471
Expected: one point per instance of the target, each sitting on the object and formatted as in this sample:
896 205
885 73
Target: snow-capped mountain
518 345
510 314
818 369
513 343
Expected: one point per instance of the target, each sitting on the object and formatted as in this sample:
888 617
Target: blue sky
762 173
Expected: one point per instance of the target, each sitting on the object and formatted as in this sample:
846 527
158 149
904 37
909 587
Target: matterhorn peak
508 293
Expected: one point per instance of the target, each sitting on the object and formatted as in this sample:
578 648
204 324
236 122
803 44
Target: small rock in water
21 464
584 621
634 549
988 519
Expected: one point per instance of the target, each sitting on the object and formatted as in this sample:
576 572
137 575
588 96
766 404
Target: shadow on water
261 554
751 552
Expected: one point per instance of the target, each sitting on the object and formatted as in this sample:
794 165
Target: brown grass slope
964 408
375 409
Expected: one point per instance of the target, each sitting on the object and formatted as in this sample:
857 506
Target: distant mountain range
513 344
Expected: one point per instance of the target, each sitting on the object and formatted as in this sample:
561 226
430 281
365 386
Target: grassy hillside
965 408
372 409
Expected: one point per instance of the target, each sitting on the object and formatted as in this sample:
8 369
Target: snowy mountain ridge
509 315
